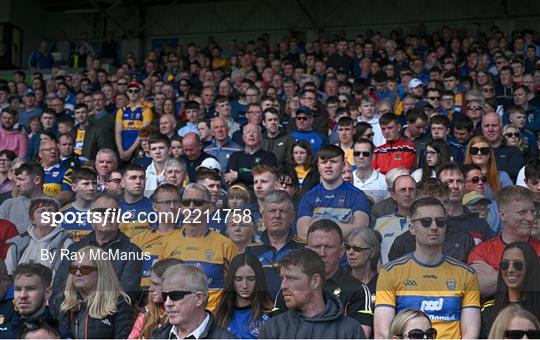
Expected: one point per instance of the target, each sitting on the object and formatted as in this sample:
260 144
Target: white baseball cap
414 83
210 163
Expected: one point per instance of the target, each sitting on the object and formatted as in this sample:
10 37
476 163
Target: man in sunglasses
304 130
365 178
518 213
508 158
185 295
475 111
518 118
444 288
196 243
130 119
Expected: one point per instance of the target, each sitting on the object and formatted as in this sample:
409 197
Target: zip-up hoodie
331 323
280 146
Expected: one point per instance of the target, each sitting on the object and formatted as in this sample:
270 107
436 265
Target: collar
52 167
197 333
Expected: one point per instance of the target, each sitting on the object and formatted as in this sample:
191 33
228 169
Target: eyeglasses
84 270
517 264
115 180
175 295
474 108
196 202
363 153
512 134
434 98
426 222
168 202
476 179
481 151
430 333
357 249
133 91
518 334
301 118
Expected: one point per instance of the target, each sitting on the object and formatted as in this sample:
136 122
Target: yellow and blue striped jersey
57 179
151 242
133 118
212 252
441 290
75 222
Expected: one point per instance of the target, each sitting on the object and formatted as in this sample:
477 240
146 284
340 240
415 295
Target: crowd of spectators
382 185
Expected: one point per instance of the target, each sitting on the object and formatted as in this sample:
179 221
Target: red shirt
396 154
7 231
491 251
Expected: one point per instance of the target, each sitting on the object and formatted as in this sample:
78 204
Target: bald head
492 128
191 143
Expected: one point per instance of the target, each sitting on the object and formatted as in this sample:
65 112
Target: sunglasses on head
430 333
84 270
518 334
512 134
357 249
196 202
426 222
476 179
517 264
175 295
363 153
482 151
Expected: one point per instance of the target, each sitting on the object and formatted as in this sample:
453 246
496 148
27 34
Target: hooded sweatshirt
331 323
27 247
13 140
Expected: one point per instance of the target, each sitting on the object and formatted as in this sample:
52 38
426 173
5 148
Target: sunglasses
426 222
357 249
133 91
302 118
430 333
476 179
512 134
84 270
517 264
481 151
196 202
434 98
518 334
363 153
474 108
175 295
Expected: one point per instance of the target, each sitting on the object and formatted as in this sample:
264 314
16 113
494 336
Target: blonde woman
95 304
515 322
411 324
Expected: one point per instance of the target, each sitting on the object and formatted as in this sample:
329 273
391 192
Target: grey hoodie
330 324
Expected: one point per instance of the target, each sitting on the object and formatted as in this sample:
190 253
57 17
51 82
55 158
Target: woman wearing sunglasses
411 324
480 153
154 315
515 322
95 304
518 279
245 304
363 249
437 156
512 137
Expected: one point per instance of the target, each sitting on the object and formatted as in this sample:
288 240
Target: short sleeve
385 295
471 297
305 209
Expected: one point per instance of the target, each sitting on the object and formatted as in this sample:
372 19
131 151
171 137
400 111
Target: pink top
13 140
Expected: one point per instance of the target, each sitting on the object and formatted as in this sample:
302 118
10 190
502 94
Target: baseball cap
305 110
414 83
210 163
474 197
28 92
134 84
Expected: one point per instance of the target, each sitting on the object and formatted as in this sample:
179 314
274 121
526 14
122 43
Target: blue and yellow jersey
138 211
75 221
79 140
213 252
133 118
151 242
57 179
390 227
441 291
